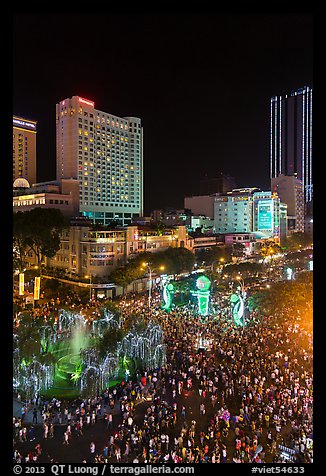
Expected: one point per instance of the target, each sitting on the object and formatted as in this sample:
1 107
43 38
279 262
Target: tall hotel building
24 149
105 153
291 137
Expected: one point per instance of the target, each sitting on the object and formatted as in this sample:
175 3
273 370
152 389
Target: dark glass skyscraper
291 137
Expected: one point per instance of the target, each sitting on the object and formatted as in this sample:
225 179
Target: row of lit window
102 204
29 202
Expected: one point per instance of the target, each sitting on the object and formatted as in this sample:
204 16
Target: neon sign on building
87 102
24 124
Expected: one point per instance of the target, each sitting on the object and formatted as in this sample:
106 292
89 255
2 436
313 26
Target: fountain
68 363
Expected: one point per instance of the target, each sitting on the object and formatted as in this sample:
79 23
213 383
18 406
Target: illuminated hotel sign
86 101
265 215
24 124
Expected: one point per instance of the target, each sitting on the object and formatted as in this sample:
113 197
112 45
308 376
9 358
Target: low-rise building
85 251
248 240
63 195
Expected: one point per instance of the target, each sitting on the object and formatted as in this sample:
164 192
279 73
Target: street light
148 266
242 285
90 286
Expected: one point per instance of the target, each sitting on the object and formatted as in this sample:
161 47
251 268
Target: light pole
150 286
148 265
221 261
242 285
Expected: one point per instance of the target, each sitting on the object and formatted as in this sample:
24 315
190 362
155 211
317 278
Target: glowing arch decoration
203 294
237 304
168 291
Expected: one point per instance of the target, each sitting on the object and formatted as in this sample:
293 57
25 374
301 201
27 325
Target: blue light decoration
203 294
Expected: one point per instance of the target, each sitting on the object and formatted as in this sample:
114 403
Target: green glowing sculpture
203 293
77 373
168 292
237 303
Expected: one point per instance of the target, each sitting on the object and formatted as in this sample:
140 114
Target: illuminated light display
86 101
265 215
237 304
37 287
289 273
21 284
203 294
168 291
284 119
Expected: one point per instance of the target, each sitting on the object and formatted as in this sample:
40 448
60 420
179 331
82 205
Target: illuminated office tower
24 149
105 153
291 137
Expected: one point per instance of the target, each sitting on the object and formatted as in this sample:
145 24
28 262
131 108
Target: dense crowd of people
225 394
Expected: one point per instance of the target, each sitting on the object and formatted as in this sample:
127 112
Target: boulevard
242 397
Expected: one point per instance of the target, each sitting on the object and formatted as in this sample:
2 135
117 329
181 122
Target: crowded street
225 394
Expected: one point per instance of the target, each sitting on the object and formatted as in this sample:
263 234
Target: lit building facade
291 137
270 216
248 241
24 149
63 195
233 211
86 252
290 190
249 210
105 153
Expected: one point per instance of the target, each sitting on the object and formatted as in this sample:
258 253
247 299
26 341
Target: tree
124 275
298 240
212 255
178 260
51 287
268 249
20 245
287 299
159 226
109 341
238 250
40 230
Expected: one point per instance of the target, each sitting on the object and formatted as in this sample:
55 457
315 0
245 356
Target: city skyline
201 85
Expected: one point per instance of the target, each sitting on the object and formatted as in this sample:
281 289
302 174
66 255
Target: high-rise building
24 149
200 205
221 184
249 210
290 191
233 211
291 137
105 153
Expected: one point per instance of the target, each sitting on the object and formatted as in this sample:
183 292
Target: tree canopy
37 230
172 260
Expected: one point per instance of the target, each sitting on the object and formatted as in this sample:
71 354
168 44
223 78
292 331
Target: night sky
201 85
